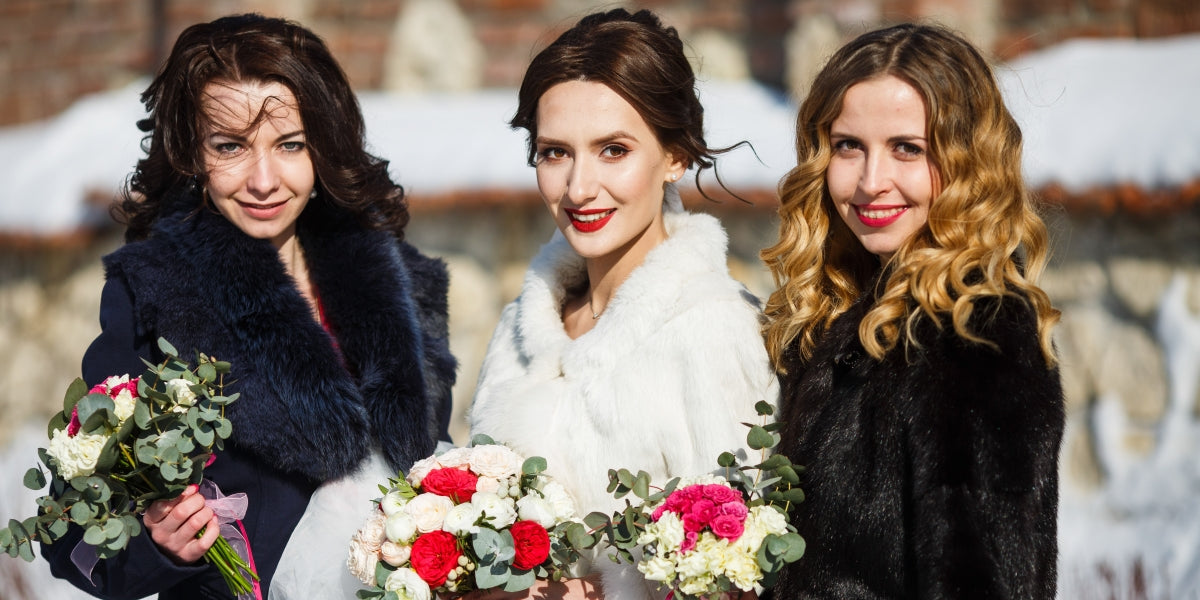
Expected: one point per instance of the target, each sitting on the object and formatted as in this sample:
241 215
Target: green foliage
153 454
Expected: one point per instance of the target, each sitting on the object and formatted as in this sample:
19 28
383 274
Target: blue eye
292 146
227 147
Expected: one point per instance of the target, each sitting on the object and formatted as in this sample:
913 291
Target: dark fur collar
203 284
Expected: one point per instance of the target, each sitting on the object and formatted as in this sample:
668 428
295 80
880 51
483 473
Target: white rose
770 519
181 391
494 460
428 511
362 561
534 508
657 569
400 528
420 469
498 512
455 457
392 503
462 520
408 585
490 485
557 496
124 404
395 554
77 455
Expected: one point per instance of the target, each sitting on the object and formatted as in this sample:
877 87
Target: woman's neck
291 254
605 276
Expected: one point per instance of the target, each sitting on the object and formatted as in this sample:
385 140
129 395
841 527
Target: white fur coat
663 382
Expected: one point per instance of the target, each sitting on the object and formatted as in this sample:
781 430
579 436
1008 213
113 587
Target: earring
312 194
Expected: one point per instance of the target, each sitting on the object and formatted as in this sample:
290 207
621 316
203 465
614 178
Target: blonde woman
918 378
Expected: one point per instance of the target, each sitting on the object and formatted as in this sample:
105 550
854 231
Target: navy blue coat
311 406
932 473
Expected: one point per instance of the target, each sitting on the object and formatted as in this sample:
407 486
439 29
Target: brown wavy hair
983 236
251 47
641 60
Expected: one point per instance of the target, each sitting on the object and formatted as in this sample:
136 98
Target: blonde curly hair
983 236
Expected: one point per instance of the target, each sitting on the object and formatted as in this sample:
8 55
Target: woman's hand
173 525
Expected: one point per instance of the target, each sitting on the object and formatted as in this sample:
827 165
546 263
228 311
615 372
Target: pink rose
455 484
703 511
691 524
721 494
74 425
727 527
689 541
735 509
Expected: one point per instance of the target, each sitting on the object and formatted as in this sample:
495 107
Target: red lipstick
588 221
879 216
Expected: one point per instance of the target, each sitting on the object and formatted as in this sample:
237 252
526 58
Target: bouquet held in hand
479 517
123 444
710 536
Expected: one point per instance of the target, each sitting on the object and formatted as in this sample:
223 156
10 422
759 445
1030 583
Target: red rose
532 544
434 555
455 484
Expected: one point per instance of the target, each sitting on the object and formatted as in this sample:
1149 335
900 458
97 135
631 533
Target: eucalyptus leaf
492 576
81 513
533 465
206 372
93 535
57 423
774 461
596 520
795 547
25 551
788 475
223 428
759 438
764 408
58 528
726 460
76 391
167 348
35 479
520 580
487 545
641 485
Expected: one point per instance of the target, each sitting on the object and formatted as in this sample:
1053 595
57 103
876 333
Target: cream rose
533 508
400 528
490 485
428 511
420 469
395 554
392 503
494 460
462 519
455 457
408 585
498 512
557 496
362 560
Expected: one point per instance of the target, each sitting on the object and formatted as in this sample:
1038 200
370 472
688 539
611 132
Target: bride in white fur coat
630 345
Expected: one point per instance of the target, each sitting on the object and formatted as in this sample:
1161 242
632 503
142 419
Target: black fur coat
311 405
932 473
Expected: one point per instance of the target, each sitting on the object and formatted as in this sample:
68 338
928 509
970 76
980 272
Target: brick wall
54 51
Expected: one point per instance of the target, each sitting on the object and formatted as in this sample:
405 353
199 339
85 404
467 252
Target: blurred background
1104 89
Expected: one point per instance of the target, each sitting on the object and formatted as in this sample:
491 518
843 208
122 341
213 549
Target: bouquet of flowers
479 517
710 536
119 446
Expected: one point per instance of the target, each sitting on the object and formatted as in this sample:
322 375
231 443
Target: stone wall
51 53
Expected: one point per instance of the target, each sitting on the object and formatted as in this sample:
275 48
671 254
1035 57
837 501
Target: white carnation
498 512
428 511
408 585
657 569
181 391
668 532
742 569
400 527
395 554
494 460
114 380
77 455
534 508
462 519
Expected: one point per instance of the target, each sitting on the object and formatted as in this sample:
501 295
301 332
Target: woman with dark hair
630 345
919 381
261 232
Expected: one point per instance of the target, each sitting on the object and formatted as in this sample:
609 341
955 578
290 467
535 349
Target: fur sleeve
984 461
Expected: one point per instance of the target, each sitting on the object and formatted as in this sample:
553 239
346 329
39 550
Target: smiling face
880 177
601 171
260 174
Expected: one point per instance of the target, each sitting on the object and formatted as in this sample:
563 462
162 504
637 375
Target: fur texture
662 383
932 473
